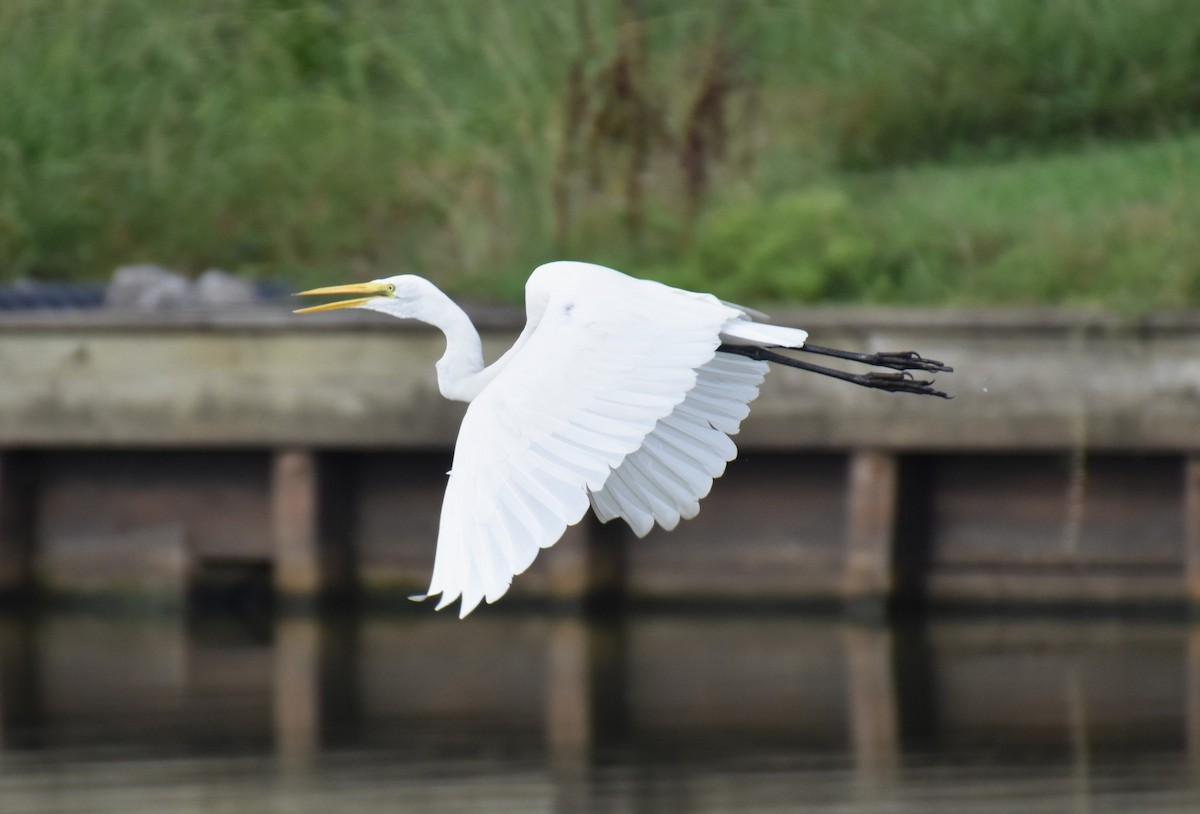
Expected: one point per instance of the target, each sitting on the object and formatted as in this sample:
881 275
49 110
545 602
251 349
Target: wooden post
568 565
16 525
1191 528
584 564
870 527
569 724
1191 697
298 572
297 693
576 694
874 718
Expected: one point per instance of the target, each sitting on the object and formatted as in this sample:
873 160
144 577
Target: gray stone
148 287
217 288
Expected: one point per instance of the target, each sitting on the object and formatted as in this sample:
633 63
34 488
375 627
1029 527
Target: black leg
901 382
899 360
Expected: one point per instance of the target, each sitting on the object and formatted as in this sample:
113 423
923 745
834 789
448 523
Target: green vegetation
974 151
1116 225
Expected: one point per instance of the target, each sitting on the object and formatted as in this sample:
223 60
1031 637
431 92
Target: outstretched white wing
606 357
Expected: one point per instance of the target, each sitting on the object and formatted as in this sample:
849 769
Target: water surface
654 713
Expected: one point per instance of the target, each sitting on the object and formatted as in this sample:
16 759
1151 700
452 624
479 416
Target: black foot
903 382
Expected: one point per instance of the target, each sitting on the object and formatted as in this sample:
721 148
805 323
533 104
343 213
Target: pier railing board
1023 380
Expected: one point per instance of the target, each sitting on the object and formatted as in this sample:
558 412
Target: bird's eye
391 288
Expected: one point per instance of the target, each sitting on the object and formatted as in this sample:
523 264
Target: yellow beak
366 292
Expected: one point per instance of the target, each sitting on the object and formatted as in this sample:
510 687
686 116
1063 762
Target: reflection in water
658 713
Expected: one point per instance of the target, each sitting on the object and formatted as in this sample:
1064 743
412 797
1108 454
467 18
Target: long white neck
460 368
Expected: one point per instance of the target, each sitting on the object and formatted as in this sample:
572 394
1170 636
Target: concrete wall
1024 381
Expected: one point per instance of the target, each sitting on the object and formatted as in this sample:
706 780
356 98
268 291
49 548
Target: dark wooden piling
1191 545
295 512
296 693
870 527
874 705
17 524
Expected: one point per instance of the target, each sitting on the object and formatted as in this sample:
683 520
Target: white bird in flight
620 393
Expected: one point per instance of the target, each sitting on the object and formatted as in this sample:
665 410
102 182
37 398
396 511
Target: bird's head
396 296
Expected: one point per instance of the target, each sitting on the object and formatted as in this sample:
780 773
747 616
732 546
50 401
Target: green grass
294 139
938 151
1111 225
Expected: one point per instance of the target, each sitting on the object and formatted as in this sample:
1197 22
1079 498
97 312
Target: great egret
619 393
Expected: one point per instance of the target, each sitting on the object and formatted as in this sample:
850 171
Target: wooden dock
139 451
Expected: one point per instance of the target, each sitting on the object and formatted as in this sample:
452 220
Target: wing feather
693 435
680 466
631 506
604 506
